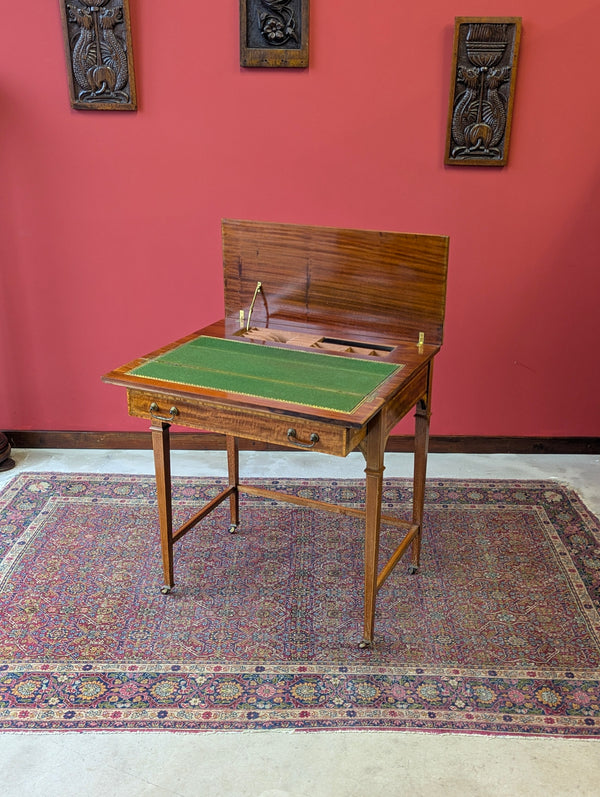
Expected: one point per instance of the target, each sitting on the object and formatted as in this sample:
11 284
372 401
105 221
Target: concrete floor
320 764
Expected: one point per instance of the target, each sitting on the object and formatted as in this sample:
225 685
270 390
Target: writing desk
328 340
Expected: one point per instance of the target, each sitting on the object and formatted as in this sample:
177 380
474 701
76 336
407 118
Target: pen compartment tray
311 341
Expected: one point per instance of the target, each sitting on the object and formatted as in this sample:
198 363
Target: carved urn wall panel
484 69
274 33
97 36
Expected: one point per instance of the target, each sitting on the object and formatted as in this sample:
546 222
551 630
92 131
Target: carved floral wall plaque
484 69
97 37
274 33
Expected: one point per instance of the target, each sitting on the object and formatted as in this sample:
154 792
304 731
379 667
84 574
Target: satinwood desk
328 340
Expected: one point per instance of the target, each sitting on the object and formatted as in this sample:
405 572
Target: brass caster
412 569
165 590
365 644
233 528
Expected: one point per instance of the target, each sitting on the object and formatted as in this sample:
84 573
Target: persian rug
498 632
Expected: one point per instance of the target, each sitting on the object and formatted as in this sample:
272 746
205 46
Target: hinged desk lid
373 286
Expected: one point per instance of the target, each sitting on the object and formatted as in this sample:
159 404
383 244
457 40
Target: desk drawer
250 424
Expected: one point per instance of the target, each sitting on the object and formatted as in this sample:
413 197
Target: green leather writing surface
324 381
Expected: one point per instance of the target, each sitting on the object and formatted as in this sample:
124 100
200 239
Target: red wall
110 222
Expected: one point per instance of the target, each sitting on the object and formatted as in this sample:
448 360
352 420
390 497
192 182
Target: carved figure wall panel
97 36
484 69
274 33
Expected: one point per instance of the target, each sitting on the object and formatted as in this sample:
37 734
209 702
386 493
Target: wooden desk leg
422 416
233 469
162 467
374 451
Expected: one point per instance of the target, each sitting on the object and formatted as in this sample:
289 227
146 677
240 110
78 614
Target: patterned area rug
499 632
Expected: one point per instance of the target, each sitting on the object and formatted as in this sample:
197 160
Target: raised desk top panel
375 287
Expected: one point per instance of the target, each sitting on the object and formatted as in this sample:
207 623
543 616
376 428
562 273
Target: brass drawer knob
154 408
292 437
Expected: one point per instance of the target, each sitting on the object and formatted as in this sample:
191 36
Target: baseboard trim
199 441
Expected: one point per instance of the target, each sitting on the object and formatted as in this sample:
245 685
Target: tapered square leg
162 467
374 452
422 416
233 469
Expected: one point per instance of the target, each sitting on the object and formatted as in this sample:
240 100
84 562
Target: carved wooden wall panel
97 36
484 69
274 33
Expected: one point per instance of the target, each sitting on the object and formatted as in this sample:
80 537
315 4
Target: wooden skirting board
214 442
